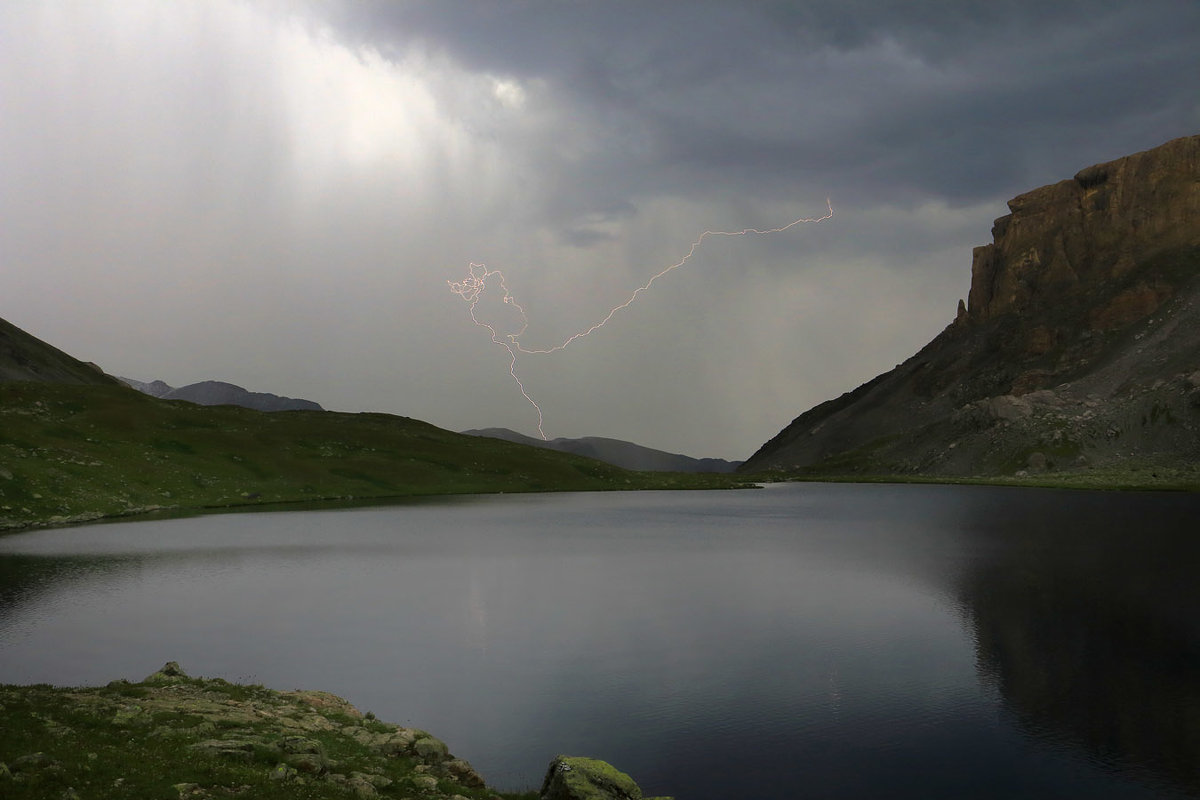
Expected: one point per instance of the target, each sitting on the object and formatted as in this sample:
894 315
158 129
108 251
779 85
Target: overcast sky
275 194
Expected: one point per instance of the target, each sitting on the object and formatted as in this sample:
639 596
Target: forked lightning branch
472 287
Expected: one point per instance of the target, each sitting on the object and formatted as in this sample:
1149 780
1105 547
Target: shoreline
172 735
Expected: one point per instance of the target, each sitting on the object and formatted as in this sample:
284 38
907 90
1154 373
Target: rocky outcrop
1086 238
208 738
575 778
1073 350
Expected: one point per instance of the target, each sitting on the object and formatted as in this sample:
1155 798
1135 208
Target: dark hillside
27 358
1078 350
75 453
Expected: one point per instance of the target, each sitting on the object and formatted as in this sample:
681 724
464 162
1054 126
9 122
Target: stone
171 672
430 749
464 774
325 702
310 763
299 744
378 781
575 778
233 749
425 783
361 788
398 742
1009 408
283 772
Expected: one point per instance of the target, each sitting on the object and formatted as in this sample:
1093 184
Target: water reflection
857 641
1085 613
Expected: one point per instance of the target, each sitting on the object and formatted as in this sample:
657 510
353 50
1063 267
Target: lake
800 640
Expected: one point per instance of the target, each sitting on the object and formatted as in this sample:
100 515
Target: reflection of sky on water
820 628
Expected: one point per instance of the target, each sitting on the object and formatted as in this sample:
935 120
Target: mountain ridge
221 393
1076 349
617 452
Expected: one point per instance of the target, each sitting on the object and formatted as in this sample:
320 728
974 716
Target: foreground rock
1077 350
172 735
575 778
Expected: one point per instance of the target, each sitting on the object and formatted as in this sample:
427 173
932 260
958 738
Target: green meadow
72 453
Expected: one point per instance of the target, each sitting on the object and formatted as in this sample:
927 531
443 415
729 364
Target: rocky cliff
1078 347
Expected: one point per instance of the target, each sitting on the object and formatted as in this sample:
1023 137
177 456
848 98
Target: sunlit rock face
1082 235
1073 350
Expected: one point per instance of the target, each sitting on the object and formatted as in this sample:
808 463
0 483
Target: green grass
75 453
139 741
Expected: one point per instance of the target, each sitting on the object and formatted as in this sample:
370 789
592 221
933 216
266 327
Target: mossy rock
171 672
576 778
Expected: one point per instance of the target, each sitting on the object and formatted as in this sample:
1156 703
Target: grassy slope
72 453
183 737
27 358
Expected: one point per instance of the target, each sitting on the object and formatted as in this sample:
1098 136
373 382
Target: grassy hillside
27 358
174 736
74 453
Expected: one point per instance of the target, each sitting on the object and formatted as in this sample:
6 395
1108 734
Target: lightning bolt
471 289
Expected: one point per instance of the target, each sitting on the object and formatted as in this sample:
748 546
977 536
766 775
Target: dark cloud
276 194
886 98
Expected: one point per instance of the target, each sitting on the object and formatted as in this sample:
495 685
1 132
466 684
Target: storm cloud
276 194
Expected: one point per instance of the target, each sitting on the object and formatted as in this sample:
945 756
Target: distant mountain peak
617 452
220 393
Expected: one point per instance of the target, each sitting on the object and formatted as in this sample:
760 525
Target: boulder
1009 408
304 754
430 750
233 749
170 673
464 774
575 778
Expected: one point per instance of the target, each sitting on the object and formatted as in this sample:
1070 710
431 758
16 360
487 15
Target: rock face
1075 348
1091 232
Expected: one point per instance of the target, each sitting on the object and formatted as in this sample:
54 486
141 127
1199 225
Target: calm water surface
798 641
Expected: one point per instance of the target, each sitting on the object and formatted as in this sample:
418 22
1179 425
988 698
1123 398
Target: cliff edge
1078 348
